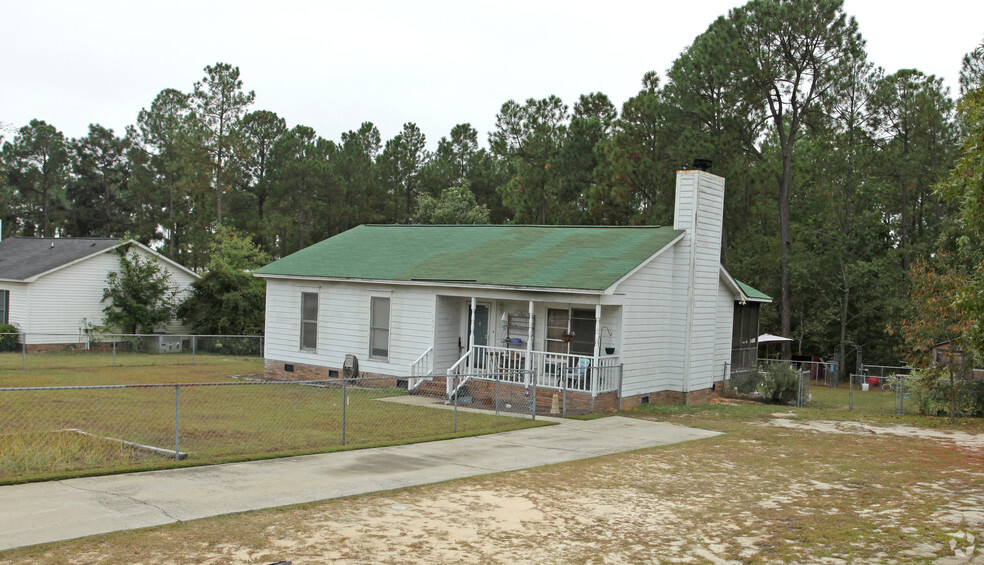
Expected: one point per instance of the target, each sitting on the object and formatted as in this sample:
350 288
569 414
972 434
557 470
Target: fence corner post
177 422
344 403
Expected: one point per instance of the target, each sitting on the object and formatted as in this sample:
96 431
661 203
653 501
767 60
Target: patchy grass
100 359
760 493
217 369
47 434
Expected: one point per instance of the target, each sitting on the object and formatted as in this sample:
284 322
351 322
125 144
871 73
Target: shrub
8 338
931 391
780 383
747 381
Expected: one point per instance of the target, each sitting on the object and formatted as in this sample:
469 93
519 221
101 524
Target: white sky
334 65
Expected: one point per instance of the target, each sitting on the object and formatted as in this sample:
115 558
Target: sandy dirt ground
690 503
527 518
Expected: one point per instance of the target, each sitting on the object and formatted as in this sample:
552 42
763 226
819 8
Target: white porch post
471 335
529 345
597 351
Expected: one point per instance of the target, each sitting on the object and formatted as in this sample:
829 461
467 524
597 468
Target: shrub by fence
55 431
780 382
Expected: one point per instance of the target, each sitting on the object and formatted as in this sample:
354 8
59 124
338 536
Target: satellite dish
350 370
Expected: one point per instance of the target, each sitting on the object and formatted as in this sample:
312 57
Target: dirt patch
785 492
956 437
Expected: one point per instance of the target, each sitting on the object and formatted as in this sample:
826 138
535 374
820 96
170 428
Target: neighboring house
52 288
942 356
587 310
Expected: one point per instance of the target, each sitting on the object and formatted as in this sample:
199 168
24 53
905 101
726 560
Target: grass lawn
60 433
781 485
103 359
874 400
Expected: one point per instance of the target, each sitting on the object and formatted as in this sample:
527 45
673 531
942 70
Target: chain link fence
781 382
55 431
29 350
919 393
518 391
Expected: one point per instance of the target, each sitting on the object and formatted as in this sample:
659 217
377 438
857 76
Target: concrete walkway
59 510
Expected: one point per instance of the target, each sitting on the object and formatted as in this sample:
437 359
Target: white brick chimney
699 210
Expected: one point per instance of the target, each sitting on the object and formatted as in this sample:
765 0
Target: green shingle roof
753 293
582 257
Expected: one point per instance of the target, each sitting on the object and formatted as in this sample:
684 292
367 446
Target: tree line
830 163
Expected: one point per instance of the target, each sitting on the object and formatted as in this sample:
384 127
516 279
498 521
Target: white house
52 288
646 312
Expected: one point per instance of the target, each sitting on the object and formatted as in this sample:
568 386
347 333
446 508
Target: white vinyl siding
651 340
346 330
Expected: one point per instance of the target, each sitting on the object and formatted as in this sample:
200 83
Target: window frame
375 330
307 324
4 306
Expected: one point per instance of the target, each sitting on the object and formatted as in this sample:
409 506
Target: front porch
550 343
592 375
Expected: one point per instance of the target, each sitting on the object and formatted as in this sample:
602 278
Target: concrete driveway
58 510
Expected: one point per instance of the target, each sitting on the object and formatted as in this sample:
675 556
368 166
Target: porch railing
560 371
421 369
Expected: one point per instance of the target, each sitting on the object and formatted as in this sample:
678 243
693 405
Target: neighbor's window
4 306
379 321
309 321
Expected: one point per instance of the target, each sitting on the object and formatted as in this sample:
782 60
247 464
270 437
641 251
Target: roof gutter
434 283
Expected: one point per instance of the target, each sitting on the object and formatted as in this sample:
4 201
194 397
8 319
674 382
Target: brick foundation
486 394
277 371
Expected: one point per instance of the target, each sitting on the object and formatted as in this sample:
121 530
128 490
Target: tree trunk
786 248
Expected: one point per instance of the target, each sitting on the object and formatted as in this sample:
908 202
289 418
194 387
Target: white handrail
421 369
561 371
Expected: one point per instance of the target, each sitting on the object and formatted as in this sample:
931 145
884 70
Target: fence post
563 392
850 393
533 400
496 384
194 343
621 370
23 351
177 422
344 404
114 350
457 393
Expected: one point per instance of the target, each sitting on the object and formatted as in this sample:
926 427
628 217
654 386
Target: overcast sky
334 65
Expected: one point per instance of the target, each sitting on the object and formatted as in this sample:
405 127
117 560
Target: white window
4 306
309 321
379 321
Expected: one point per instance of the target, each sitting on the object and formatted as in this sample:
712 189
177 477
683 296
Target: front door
481 324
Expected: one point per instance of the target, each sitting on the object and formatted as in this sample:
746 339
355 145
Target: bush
747 381
930 389
8 338
780 383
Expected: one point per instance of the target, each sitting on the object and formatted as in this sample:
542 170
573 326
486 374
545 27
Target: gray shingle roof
22 258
